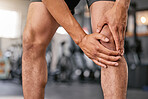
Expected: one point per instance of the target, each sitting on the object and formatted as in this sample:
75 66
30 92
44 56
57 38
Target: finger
121 38
124 30
122 48
116 37
100 25
101 37
106 51
99 64
122 35
108 62
109 58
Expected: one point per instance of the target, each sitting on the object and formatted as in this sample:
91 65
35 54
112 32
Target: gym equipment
64 67
137 71
135 49
14 55
4 67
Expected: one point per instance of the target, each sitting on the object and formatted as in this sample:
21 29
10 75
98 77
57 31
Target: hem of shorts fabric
89 4
36 1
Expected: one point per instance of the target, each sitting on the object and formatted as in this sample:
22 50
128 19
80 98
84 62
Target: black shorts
73 3
90 2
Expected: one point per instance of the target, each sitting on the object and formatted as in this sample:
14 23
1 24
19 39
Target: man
108 19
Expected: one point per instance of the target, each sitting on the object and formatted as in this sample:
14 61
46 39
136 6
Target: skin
88 43
116 18
113 79
40 28
42 22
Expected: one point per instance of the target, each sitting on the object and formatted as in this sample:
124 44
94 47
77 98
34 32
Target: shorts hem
90 2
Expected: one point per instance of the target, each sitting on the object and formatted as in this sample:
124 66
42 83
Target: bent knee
33 43
106 31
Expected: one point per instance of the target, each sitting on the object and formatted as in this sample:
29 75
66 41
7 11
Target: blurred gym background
73 75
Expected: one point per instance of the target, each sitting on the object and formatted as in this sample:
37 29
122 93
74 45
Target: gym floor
11 90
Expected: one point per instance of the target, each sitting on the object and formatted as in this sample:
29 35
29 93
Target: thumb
100 25
102 37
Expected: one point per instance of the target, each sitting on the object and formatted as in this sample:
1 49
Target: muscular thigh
97 10
40 26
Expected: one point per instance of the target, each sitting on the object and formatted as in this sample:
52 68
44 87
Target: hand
98 53
116 18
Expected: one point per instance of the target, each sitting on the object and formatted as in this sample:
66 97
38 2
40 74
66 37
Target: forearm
60 11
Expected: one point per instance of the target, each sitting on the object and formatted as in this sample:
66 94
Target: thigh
40 26
98 8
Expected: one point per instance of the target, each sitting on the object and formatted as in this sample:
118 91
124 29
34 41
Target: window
9 24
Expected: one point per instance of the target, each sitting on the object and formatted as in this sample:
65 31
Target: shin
113 79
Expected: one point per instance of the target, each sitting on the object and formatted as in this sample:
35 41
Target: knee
32 43
106 31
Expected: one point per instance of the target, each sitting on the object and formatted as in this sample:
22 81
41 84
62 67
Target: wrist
80 37
77 33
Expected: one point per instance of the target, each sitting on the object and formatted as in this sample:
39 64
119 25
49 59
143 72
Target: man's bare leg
113 79
38 32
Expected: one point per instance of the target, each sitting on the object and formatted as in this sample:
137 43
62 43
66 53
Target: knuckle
94 53
115 27
121 28
90 57
98 25
109 53
115 59
95 62
121 41
112 59
117 39
98 54
112 63
99 59
96 48
102 36
99 35
108 58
